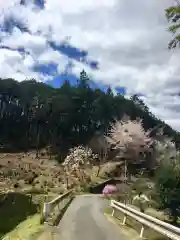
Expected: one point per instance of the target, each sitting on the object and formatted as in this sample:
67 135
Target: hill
35 115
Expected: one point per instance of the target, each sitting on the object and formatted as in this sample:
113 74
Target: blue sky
50 68
119 43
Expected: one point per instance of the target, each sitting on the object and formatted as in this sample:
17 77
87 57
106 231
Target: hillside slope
34 115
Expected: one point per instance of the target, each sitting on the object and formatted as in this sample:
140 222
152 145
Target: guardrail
50 206
157 225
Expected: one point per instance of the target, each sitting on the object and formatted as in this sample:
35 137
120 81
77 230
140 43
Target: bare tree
100 146
103 152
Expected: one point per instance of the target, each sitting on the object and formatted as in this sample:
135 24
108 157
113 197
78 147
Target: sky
119 43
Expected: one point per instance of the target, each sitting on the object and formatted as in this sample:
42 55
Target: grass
28 229
20 212
132 227
48 234
31 229
14 209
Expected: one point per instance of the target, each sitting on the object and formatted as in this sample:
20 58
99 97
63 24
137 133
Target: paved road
84 220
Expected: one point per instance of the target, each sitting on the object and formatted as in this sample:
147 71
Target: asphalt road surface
85 220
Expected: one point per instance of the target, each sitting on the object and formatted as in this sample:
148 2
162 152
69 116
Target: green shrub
84 187
168 187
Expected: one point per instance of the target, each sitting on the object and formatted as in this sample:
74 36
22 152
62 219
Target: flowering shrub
78 157
77 160
109 190
165 149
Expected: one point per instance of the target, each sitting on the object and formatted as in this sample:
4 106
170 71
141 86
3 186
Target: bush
124 193
140 186
84 187
168 187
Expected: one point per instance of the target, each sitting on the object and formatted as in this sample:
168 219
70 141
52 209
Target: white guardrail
49 206
157 225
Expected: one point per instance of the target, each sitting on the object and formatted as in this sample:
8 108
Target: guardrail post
45 210
58 206
112 214
124 220
142 231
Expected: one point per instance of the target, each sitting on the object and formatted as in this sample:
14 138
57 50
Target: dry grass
49 233
111 169
154 213
22 171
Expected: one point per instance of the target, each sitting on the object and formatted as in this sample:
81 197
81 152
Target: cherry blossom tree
165 149
130 138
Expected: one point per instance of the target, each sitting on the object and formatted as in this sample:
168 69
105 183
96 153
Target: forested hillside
34 115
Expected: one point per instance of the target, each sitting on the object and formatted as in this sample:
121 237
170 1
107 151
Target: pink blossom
109 189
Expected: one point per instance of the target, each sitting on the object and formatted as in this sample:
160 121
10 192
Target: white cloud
166 107
17 66
53 56
128 38
71 7
32 43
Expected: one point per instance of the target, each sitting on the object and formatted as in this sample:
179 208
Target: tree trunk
174 216
141 207
51 144
38 140
67 182
99 168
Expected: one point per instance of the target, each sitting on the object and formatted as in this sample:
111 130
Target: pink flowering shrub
109 190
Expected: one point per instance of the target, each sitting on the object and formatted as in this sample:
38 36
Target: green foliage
83 82
168 187
140 185
173 16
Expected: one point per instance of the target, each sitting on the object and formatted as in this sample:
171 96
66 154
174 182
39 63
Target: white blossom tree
130 138
78 159
165 148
